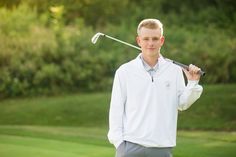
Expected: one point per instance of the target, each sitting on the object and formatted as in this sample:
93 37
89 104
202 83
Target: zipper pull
152 79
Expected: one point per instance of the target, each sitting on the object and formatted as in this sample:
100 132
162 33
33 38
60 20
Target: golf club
97 35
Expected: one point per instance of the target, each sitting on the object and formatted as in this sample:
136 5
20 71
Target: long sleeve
188 94
118 98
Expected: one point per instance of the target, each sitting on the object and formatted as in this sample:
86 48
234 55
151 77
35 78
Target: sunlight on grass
25 146
61 141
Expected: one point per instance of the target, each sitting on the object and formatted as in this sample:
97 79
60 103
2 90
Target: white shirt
145 112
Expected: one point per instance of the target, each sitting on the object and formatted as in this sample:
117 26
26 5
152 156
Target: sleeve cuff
192 83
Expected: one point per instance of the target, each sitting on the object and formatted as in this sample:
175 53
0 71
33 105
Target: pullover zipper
151 73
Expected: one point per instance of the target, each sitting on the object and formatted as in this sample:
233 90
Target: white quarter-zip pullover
144 109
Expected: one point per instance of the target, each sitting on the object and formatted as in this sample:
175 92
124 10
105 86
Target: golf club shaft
202 73
123 42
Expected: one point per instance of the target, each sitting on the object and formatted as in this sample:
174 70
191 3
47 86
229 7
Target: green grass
12 146
76 125
66 110
45 141
215 110
41 141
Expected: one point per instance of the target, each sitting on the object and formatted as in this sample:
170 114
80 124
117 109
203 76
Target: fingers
193 69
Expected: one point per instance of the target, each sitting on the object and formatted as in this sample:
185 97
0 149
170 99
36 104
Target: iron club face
96 36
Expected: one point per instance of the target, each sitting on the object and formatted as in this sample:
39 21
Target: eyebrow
151 37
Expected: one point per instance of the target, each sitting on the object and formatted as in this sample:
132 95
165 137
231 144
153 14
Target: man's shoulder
176 67
170 68
131 65
172 65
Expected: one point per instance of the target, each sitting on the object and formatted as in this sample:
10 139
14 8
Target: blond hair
151 24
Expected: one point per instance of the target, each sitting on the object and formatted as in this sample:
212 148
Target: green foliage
45 46
42 59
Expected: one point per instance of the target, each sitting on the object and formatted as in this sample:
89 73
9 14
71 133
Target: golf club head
96 36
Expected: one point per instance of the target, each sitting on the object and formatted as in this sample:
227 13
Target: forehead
147 32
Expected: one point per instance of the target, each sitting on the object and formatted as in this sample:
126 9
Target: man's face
150 41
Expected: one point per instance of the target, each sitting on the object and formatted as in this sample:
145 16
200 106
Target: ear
162 40
138 40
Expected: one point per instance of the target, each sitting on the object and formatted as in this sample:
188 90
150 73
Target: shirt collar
147 67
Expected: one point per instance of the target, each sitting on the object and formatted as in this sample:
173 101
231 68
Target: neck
151 60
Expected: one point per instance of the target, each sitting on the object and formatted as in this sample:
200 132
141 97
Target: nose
150 42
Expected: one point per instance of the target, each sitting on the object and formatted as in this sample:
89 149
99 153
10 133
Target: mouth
151 49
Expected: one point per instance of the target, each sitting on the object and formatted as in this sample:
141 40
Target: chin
153 53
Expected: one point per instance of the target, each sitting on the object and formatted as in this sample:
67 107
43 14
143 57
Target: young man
146 96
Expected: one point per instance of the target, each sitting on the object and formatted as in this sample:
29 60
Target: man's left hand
193 73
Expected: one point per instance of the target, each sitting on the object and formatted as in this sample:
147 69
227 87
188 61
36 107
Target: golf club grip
202 73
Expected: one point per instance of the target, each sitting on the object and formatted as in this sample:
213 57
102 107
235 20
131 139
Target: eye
155 39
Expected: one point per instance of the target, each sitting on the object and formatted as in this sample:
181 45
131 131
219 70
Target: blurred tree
9 4
45 45
99 12
94 12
